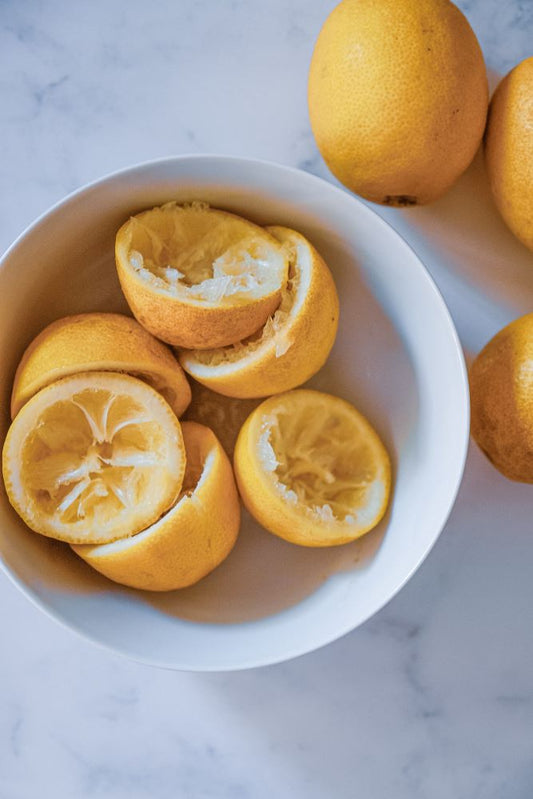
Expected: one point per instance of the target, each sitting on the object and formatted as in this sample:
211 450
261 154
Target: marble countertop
433 697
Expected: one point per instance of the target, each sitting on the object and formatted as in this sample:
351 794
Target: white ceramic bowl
397 358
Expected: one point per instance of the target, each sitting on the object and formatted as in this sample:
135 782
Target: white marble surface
434 696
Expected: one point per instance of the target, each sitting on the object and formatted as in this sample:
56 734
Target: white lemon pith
275 333
201 261
93 457
294 342
199 277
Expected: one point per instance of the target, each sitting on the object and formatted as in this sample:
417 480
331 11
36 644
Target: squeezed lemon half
93 457
311 469
198 277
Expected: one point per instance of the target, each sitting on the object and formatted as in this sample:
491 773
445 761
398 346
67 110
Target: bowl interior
396 358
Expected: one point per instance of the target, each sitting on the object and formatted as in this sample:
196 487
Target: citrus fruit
189 541
198 277
224 415
397 97
292 345
509 150
101 342
93 457
501 396
311 469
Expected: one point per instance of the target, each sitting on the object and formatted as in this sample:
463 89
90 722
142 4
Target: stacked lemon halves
97 455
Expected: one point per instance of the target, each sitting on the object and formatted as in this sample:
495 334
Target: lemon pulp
276 329
93 457
311 469
89 456
201 254
317 463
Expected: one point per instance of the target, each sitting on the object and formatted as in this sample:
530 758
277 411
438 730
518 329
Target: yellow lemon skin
98 342
501 395
189 541
397 97
509 150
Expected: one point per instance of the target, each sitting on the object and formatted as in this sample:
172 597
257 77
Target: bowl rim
331 635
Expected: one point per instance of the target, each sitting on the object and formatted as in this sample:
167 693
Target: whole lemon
398 97
501 395
509 150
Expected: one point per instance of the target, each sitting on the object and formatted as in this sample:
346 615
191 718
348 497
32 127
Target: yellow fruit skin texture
312 334
501 395
98 342
190 540
397 97
509 150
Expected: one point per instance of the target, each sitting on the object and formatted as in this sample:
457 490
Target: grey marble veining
432 698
